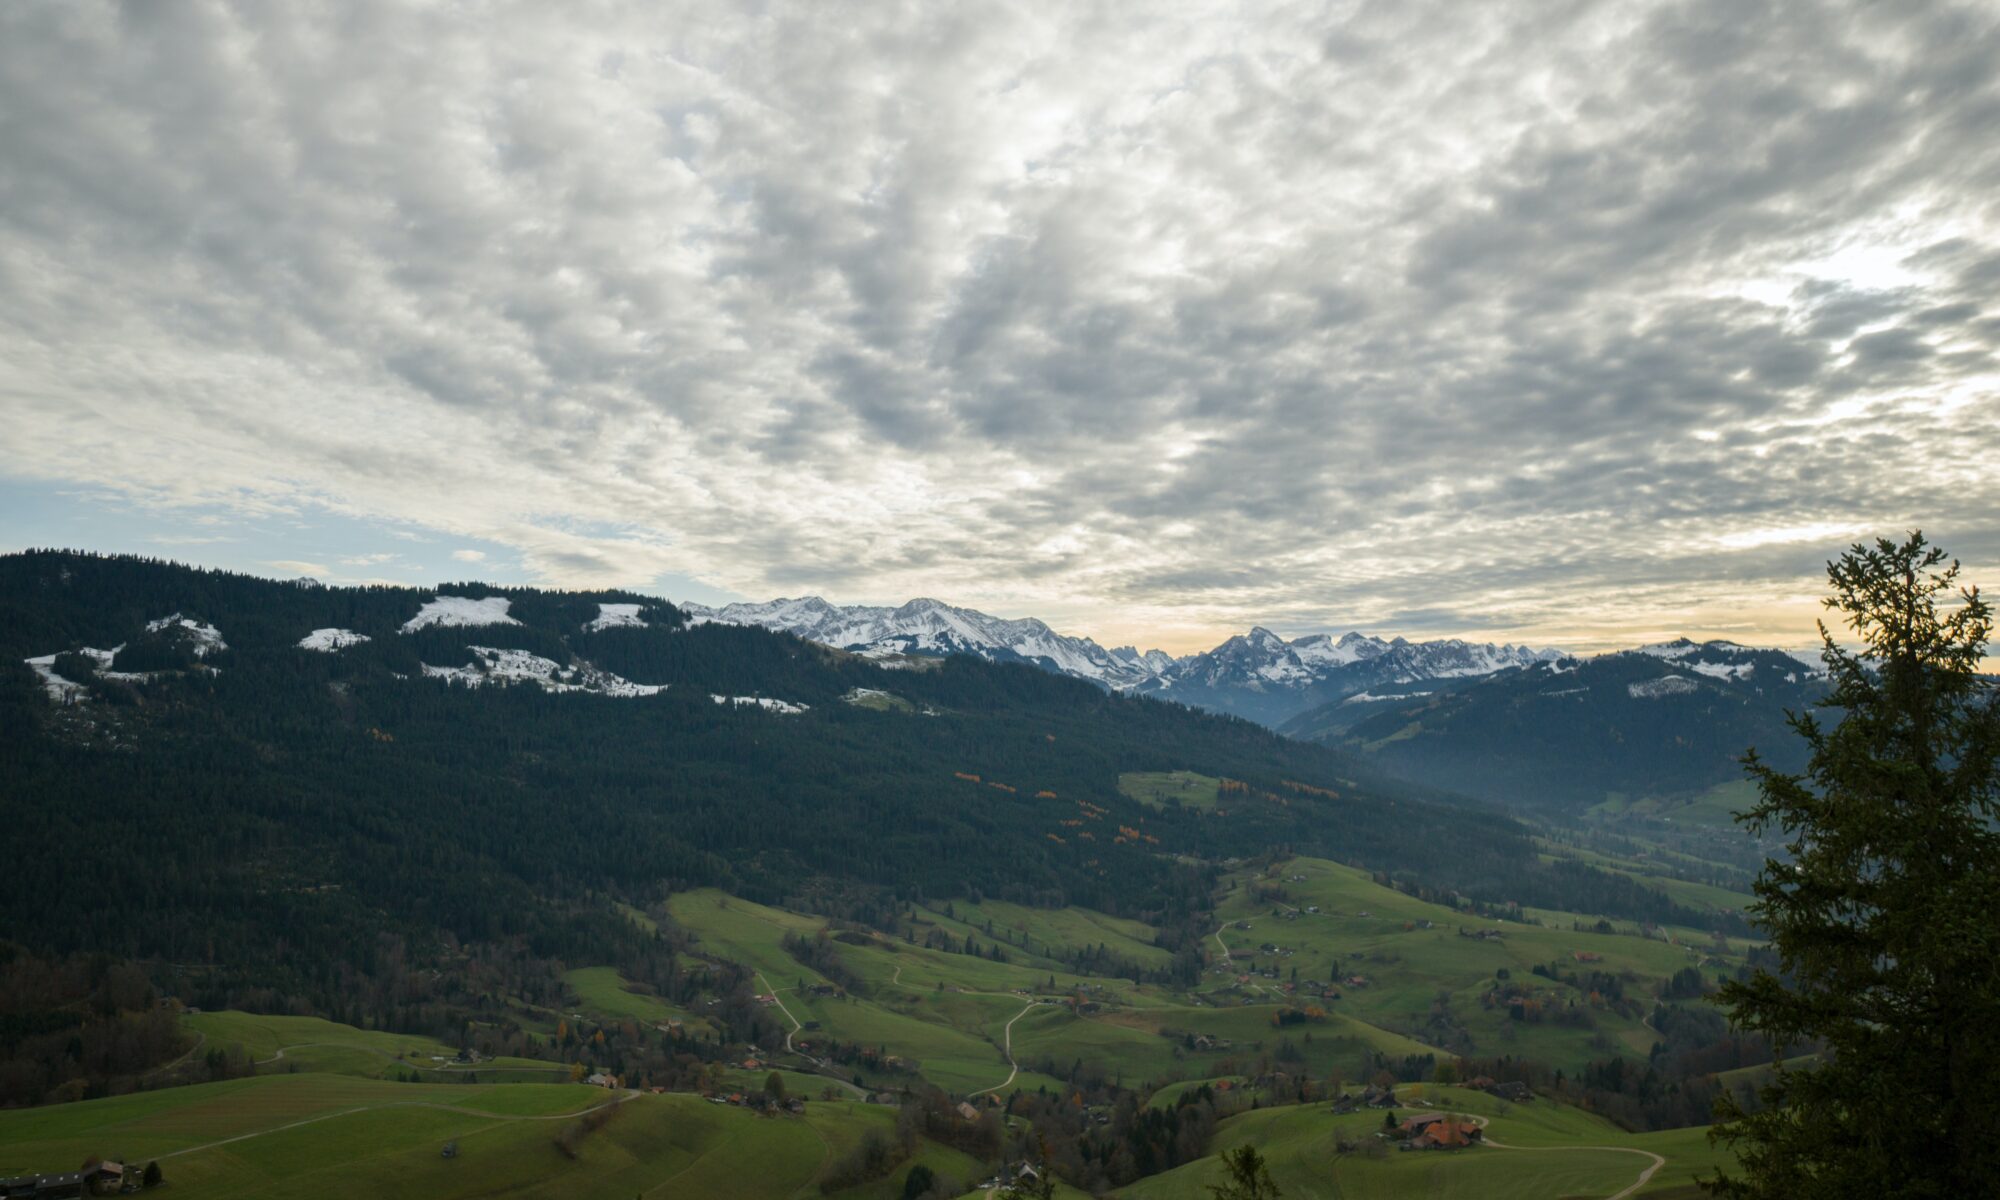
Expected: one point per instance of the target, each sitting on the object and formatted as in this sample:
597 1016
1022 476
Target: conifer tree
1883 919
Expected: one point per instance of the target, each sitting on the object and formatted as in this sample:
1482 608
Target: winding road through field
1013 1068
820 1067
1645 1176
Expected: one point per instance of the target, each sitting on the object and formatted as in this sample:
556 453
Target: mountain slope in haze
278 774
1659 721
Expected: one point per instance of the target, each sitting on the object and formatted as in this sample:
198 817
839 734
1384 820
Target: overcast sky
1568 323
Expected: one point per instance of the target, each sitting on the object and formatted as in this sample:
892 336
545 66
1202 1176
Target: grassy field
948 1010
602 992
281 1044
1411 953
318 1135
1168 789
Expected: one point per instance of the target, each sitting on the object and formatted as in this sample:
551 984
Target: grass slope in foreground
1543 1150
319 1135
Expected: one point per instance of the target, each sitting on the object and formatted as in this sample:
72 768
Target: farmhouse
1445 1135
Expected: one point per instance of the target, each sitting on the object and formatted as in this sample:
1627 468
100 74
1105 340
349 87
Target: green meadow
318 1135
1540 1150
1412 954
284 1044
1171 789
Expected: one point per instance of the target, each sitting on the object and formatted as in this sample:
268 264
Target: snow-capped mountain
1258 675
926 626
1265 678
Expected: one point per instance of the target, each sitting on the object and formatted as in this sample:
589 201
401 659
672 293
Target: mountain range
1529 728
1258 675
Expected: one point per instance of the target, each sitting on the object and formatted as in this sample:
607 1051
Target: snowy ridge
1728 660
503 666
925 626
326 641
461 610
1278 676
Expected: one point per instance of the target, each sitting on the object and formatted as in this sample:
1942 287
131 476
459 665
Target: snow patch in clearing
327 641
206 638
1370 697
60 690
461 610
764 702
615 616
505 666
1723 670
1665 685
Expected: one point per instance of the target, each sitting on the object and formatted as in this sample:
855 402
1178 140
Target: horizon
1142 646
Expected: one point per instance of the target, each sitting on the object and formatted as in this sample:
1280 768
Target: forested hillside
233 795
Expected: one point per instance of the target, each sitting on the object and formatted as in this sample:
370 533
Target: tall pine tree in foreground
1887 921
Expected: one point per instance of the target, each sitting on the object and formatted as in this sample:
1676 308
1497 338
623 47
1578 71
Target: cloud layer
1562 320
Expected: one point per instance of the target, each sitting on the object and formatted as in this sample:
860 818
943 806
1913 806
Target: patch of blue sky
304 538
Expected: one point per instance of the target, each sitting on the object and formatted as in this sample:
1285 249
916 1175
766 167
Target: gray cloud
1570 320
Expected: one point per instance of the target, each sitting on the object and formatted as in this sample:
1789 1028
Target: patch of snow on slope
1723 670
206 638
60 690
326 641
1370 697
615 616
1665 685
764 702
461 610
1678 648
505 666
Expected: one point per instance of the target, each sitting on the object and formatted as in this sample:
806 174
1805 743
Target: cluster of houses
1513 1090
757 1102
1019 1174
104 1178
1371 1097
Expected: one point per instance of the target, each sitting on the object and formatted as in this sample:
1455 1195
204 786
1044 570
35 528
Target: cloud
1313 317
468 556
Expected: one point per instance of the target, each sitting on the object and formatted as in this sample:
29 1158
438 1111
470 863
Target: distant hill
1659 721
